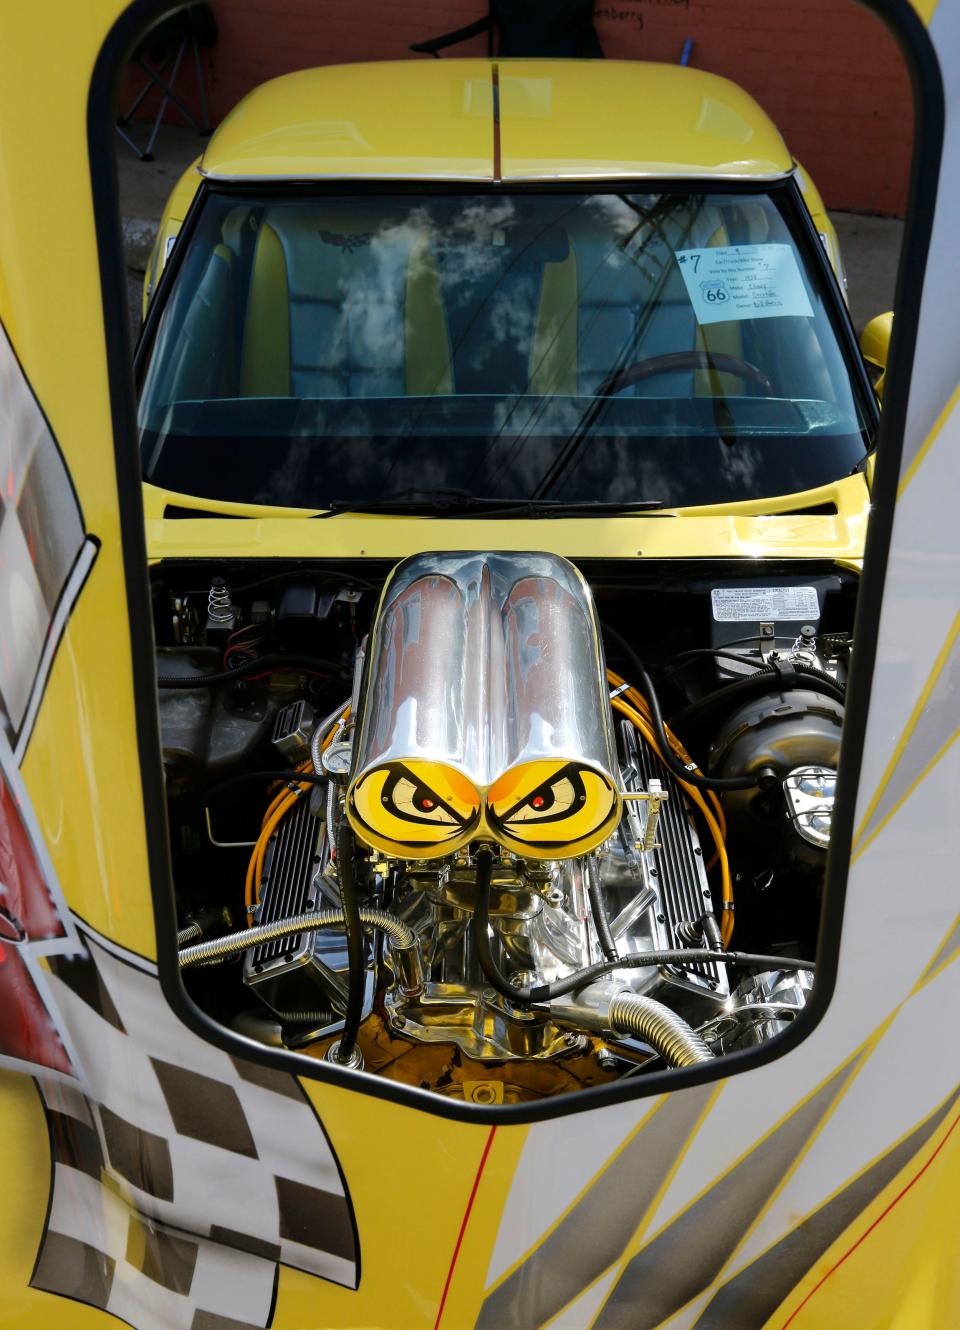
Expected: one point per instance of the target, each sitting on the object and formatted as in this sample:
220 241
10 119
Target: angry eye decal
548 809
414 809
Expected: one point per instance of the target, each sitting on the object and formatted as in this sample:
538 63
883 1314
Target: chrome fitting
407 968
354 1062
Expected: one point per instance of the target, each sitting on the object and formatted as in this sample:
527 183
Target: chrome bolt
606 1060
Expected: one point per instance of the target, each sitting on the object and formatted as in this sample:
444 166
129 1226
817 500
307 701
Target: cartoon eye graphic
546 809
415 809
548 802
415 801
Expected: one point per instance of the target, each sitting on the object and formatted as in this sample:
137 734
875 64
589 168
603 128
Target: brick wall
827 71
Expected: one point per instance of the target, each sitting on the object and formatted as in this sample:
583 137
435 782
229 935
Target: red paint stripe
463 1227
497 173
879 1219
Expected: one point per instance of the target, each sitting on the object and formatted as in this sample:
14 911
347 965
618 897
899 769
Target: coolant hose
677 1043
600 921
231 944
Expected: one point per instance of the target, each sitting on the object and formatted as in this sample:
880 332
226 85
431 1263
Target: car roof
490 120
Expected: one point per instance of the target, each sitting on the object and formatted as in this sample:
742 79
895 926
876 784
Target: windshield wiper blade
474 505
537 508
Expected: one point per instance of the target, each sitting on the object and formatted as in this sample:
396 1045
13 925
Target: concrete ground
871 251
144 187
870 245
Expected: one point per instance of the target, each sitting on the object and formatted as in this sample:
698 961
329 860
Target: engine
490 867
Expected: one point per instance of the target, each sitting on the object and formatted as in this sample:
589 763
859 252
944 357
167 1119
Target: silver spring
219 608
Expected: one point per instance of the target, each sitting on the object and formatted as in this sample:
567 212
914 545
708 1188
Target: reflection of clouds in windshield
739 467
472 241
616 214
635 474
285 484
486 290
524 415
372 284
490 278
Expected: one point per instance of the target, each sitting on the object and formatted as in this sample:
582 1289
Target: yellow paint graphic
418 809
931 439
545 809
861 840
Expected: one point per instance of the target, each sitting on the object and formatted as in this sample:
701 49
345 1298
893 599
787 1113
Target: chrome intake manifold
542 929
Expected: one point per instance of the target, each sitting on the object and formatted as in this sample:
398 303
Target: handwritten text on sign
729 282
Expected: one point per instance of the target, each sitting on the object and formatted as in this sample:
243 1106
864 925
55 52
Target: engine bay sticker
756 604
729 282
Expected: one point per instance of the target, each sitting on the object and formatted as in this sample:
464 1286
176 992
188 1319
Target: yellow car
473 326
506 463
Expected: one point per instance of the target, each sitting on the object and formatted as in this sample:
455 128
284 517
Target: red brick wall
827 71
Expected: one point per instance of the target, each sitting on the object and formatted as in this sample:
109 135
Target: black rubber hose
525 997
481 929
686 658
669 757
600 921
257 665
770 679
353 927
826 682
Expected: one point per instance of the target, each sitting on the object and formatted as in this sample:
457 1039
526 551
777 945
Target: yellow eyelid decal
414 810
547 810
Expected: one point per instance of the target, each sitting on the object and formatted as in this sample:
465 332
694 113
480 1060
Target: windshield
677 348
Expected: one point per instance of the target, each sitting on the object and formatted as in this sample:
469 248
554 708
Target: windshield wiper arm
474 505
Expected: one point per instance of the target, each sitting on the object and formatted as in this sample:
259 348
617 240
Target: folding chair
161 49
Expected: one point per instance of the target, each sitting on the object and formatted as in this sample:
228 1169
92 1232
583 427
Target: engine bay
495 825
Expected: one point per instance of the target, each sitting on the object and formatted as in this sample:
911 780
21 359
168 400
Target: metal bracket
655 797
768 641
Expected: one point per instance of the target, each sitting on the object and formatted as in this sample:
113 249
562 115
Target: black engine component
782 738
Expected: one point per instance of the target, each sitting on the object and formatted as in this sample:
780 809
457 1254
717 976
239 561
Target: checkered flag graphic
44 552
182 1177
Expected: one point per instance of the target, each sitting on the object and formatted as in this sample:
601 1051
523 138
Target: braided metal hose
677 1043
320 733
190 933
219 948
306 1017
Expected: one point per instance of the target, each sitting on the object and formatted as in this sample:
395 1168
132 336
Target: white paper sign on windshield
726 282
